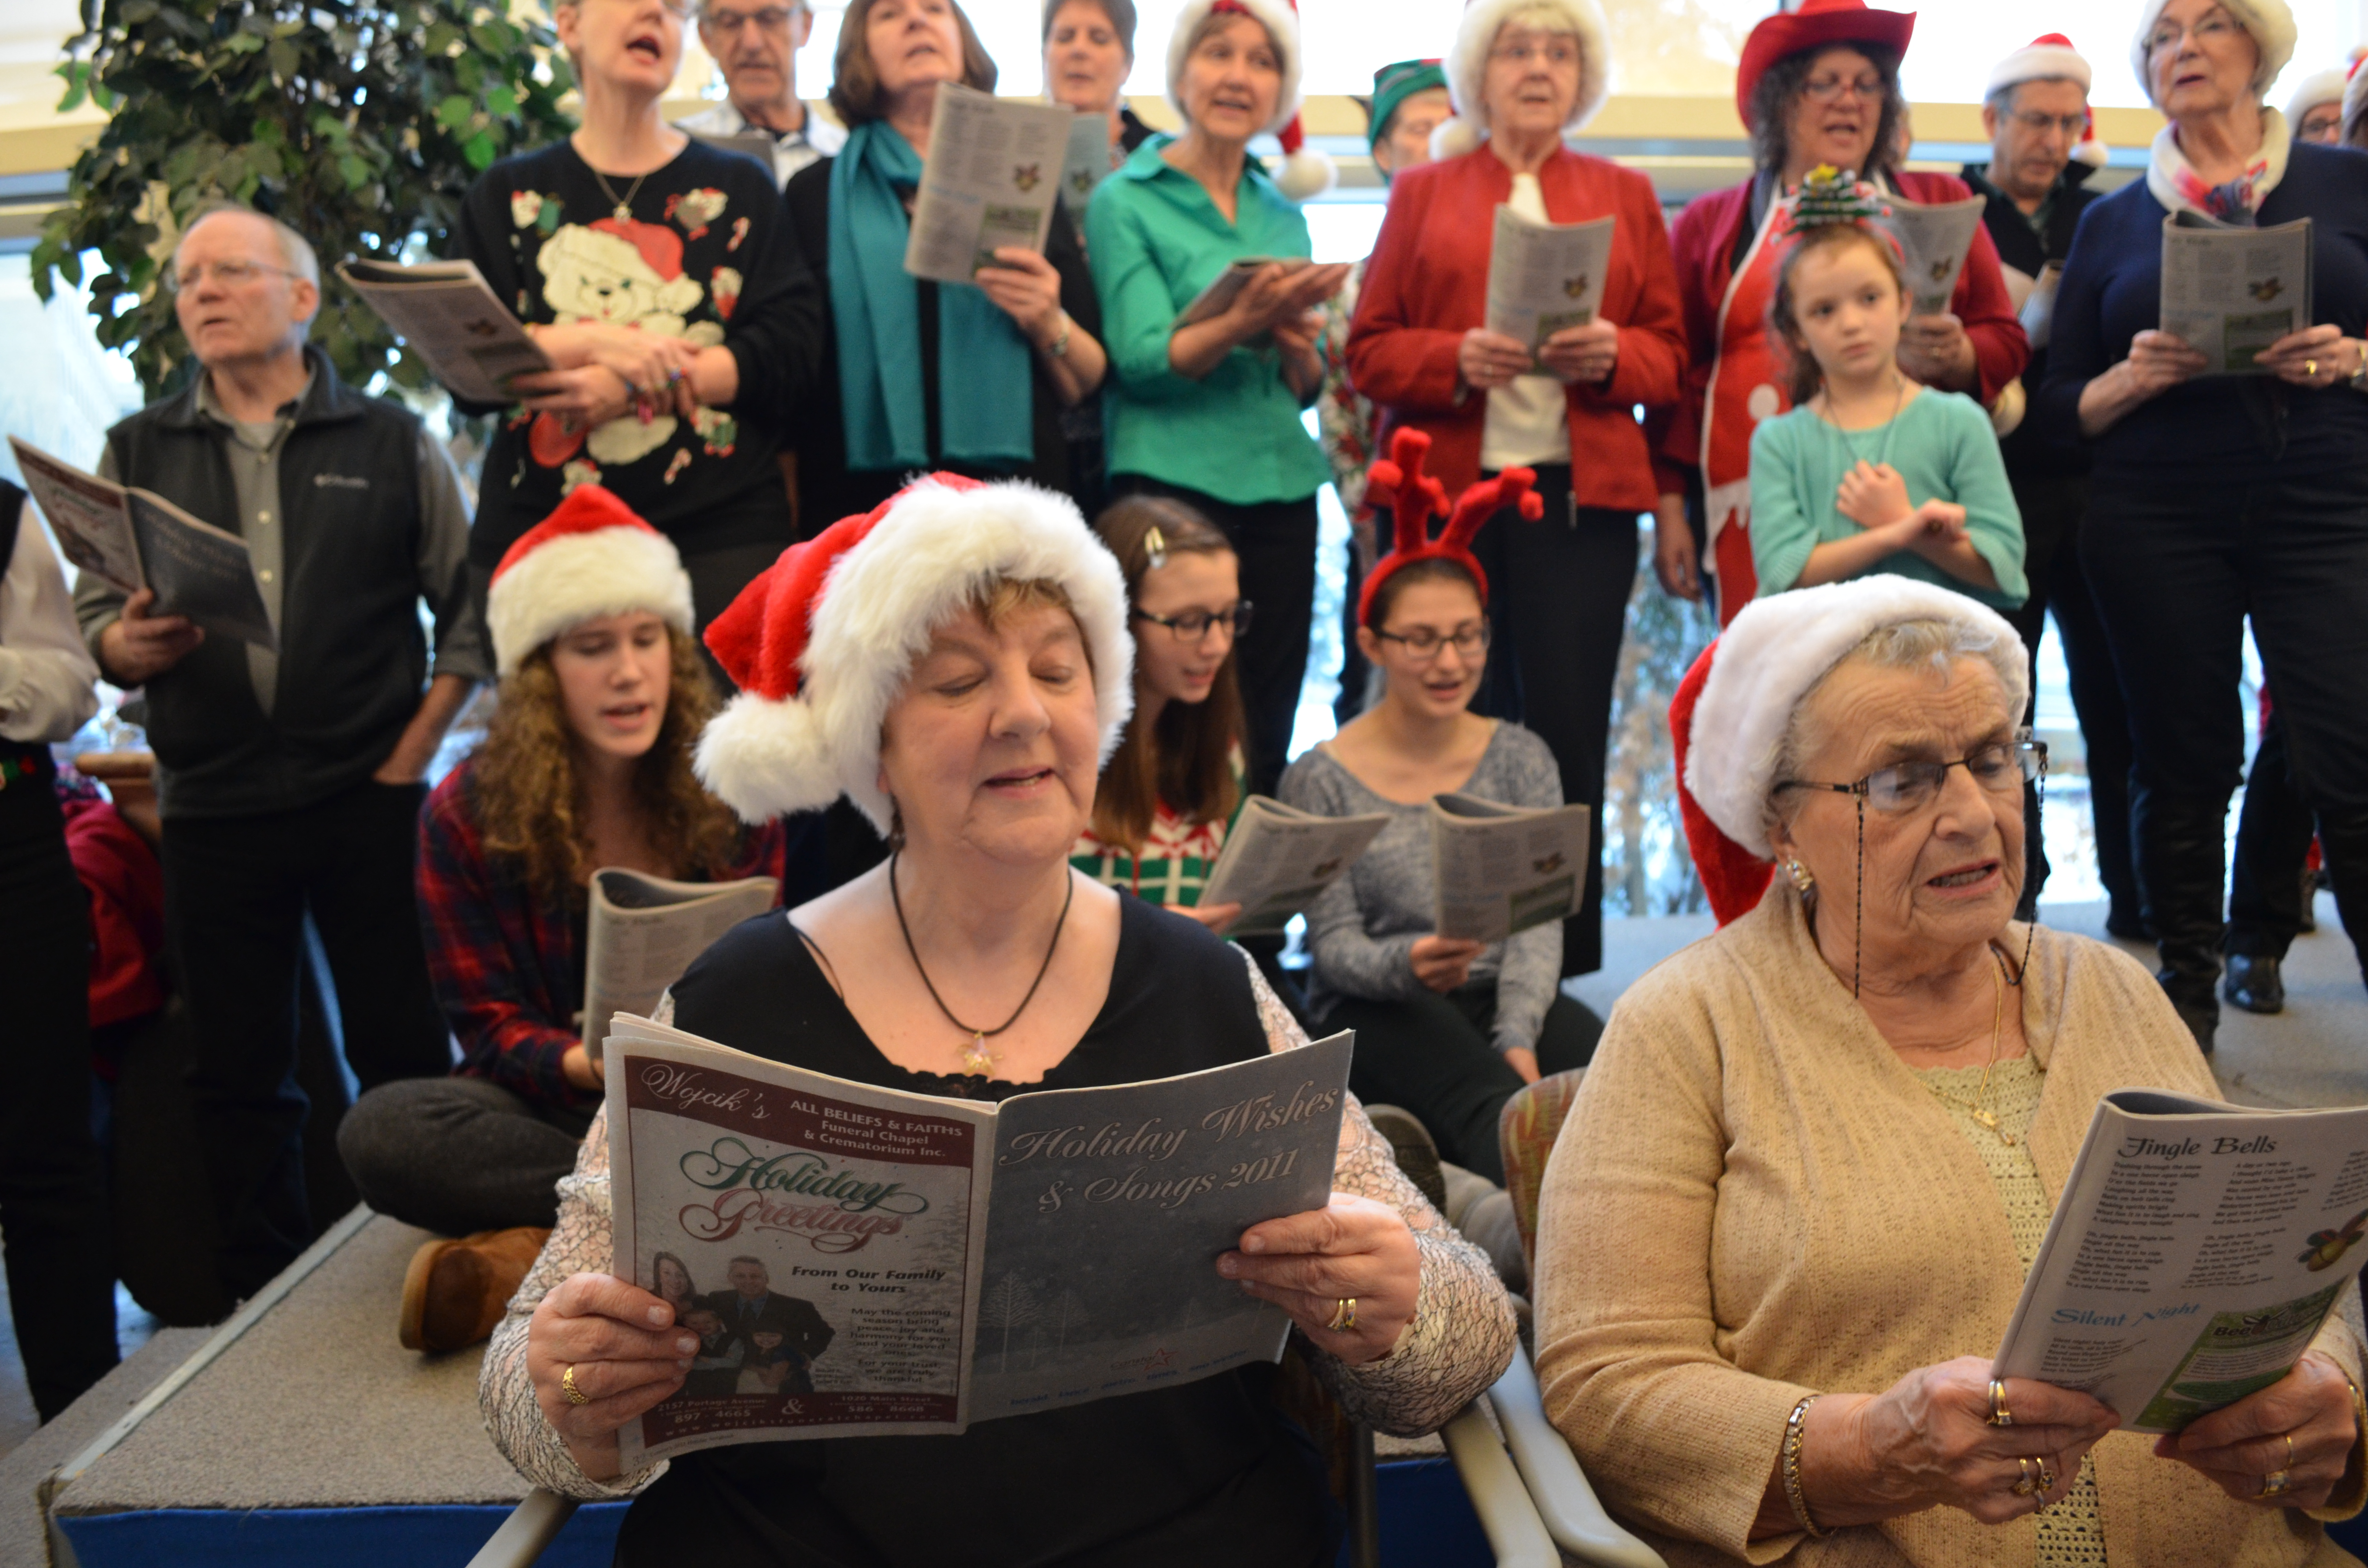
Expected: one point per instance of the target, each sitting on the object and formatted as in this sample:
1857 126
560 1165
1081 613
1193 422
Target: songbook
1545 276
641 932
990 180
1935 239
2230 292
1277 858
1502 868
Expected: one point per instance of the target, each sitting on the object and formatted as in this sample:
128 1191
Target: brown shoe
455 1292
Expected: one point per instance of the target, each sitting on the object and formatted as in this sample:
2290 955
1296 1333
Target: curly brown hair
528 795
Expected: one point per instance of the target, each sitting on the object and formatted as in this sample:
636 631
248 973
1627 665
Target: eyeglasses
1194 625
1830 89
2039 124
1556 51
2000 768
1422 644
2215 26
229 273
771 19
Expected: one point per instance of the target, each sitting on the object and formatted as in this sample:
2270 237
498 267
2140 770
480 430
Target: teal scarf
985 399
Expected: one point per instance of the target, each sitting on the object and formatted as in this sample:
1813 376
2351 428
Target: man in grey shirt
755 42
289 782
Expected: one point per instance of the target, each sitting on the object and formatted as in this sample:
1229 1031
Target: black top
2036 448
2214 429
827 489
1131 132
1206 1472
706 257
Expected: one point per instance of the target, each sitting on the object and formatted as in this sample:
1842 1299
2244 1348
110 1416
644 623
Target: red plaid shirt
505 962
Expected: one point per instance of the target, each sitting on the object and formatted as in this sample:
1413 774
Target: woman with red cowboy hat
1819 85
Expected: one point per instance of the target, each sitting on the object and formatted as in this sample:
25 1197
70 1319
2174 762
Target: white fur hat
2319 87
1769 657
2355 98
2046 57
820 644
2269 22
591 557
1306 172
1467 66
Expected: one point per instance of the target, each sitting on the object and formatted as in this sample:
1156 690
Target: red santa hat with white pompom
1305 172
591 557
2050 57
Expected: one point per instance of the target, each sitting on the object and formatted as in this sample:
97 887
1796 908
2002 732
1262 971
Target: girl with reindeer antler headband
1446 1029
1869 472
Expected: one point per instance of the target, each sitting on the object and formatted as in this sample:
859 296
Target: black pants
2177 570
2052 507
457 1156
1433 1055
1558 591
716 578
1275 541
237 890
2274 834
53 1213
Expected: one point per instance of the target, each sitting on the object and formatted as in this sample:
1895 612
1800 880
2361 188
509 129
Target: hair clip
1155 547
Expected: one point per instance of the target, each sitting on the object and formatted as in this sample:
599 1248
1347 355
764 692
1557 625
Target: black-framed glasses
2000 768
1423 644
1194 625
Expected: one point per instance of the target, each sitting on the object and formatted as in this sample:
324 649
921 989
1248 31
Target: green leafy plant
360 123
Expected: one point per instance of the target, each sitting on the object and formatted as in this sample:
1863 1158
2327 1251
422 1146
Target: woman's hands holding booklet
2303 1425
1353 1263
619 1346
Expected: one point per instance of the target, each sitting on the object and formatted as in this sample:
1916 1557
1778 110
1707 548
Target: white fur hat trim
1773 655
578 577
2269 22
1467 66
1281 24
2319 87
935 549
2047 59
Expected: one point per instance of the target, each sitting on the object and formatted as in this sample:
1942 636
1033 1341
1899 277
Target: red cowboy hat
1814 25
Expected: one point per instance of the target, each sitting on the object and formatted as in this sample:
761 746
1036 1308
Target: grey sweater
1362 929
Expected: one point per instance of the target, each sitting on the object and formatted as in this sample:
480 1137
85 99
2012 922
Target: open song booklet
446 314
642 931
1545 276
931 1263
993 173
1226 286
1277 858
2196 1250
135 538
1935 238
1504 869
2231 292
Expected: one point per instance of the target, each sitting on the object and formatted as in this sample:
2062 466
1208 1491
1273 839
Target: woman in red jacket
1522 74
1816 85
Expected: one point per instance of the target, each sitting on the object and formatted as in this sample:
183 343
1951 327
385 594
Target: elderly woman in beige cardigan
1799 1191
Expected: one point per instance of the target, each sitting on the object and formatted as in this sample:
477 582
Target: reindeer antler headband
1415 497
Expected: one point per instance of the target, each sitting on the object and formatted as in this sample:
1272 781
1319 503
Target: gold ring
2277 1484
2000 1415
1344 1316
2310 368
2027 1485
567 1386
2047 1477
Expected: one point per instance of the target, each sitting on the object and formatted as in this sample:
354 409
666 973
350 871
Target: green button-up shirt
1156 240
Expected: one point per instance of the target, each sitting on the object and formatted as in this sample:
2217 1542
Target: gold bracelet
1791 1466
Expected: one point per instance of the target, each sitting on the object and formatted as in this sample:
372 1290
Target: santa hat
2269 22
2319 87
591 557
1306 172
1415 497
821 644
1732 710
2050 57
1467 64
1813 25
2355 96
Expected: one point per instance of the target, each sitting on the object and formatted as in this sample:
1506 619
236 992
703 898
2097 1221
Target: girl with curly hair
586 762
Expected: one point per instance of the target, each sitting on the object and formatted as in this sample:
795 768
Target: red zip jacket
1428 285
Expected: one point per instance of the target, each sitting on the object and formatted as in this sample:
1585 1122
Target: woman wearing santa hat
2220 499
971 378
1816 85
1523 75
958 662
586 762
2314 109
1787 1224
1207 412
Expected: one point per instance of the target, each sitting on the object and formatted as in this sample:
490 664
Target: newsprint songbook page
2196 1250
993 173
1545 276
2231 292
1277 858
867 1262
1935 238
445 313
1504 868
641 932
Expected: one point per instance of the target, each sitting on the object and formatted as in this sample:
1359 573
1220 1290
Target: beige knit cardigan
1754 1198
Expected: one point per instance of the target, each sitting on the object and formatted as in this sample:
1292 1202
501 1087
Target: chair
1526 1131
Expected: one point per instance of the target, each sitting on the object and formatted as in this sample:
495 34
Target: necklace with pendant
623 204
1978 1108
977 1060
1890 426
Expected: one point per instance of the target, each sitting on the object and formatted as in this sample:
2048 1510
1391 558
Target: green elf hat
1393 84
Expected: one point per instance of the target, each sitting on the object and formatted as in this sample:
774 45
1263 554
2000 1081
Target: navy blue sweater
2220 427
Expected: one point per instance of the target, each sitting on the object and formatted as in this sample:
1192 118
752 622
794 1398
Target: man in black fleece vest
289 783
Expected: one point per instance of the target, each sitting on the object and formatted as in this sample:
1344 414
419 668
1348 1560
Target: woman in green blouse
1210 413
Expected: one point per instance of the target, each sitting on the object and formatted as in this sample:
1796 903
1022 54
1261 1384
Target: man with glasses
755 42
289 782
2042 153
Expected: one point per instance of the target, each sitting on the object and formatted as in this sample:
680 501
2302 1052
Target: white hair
295 250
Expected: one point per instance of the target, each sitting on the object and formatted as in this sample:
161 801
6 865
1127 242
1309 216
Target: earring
1802 880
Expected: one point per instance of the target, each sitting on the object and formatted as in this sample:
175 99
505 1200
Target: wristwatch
1059 347
2359 377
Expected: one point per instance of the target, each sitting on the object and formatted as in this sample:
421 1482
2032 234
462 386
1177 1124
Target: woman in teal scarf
1020 345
